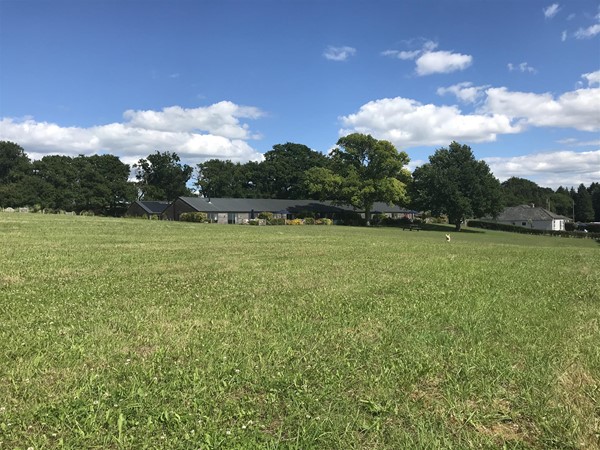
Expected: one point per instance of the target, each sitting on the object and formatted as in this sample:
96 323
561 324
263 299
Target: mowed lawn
120 333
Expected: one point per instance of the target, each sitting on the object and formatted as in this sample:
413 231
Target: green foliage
276 221
361 171
519 191
265 215
199 217
324 221
284 170
218 178
456 184
584 210
161 176
309 221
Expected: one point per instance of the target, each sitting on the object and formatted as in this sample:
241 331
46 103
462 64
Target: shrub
309 221
294 222
198 217
278 221
265 215
324 221
254 222
569 226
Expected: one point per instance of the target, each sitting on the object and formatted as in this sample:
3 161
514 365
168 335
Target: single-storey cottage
239 210
530 216
146 209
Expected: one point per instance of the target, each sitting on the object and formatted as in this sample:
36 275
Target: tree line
361 170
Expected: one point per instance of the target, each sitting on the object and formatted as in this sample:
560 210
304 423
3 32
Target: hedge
523 230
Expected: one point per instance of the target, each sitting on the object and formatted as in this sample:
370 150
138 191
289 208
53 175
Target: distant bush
254 221
86 213
523 230
569 226
309 221
276 221
324 221
378 219
265 215
294 222
198 217
305 214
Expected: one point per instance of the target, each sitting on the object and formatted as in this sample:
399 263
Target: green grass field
122 333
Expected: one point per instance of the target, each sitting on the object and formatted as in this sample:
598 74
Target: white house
531 217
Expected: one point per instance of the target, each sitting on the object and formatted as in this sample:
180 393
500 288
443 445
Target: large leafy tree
584 210
102 184
594 191
519 191
284 170
219 178
361 171
15 174
161 176
561 202
454 183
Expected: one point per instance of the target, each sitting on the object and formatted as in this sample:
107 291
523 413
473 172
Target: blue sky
518 81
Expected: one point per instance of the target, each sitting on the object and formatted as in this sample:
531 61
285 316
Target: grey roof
278 205
525 212
153 207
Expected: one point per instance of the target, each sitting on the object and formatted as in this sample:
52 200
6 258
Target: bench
412 227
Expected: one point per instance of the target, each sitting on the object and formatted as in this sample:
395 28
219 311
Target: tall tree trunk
458 225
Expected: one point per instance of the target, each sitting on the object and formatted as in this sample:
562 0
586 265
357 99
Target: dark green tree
561 202
454 183
520 191
102 185
361 171
594 191
161 176
219 178
584 211
15 169
59 180
284 170
14 162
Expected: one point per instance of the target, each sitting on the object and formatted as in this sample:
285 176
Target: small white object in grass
447 238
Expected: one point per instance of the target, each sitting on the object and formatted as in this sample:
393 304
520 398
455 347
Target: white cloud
589 32
404 55
338 53
174 128
579 109
429 61
465 91
442 62
566 168
592 77
220 119
523 67
407 122
551 11
563 36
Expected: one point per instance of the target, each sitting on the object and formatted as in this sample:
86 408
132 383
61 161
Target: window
524 224
231 218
